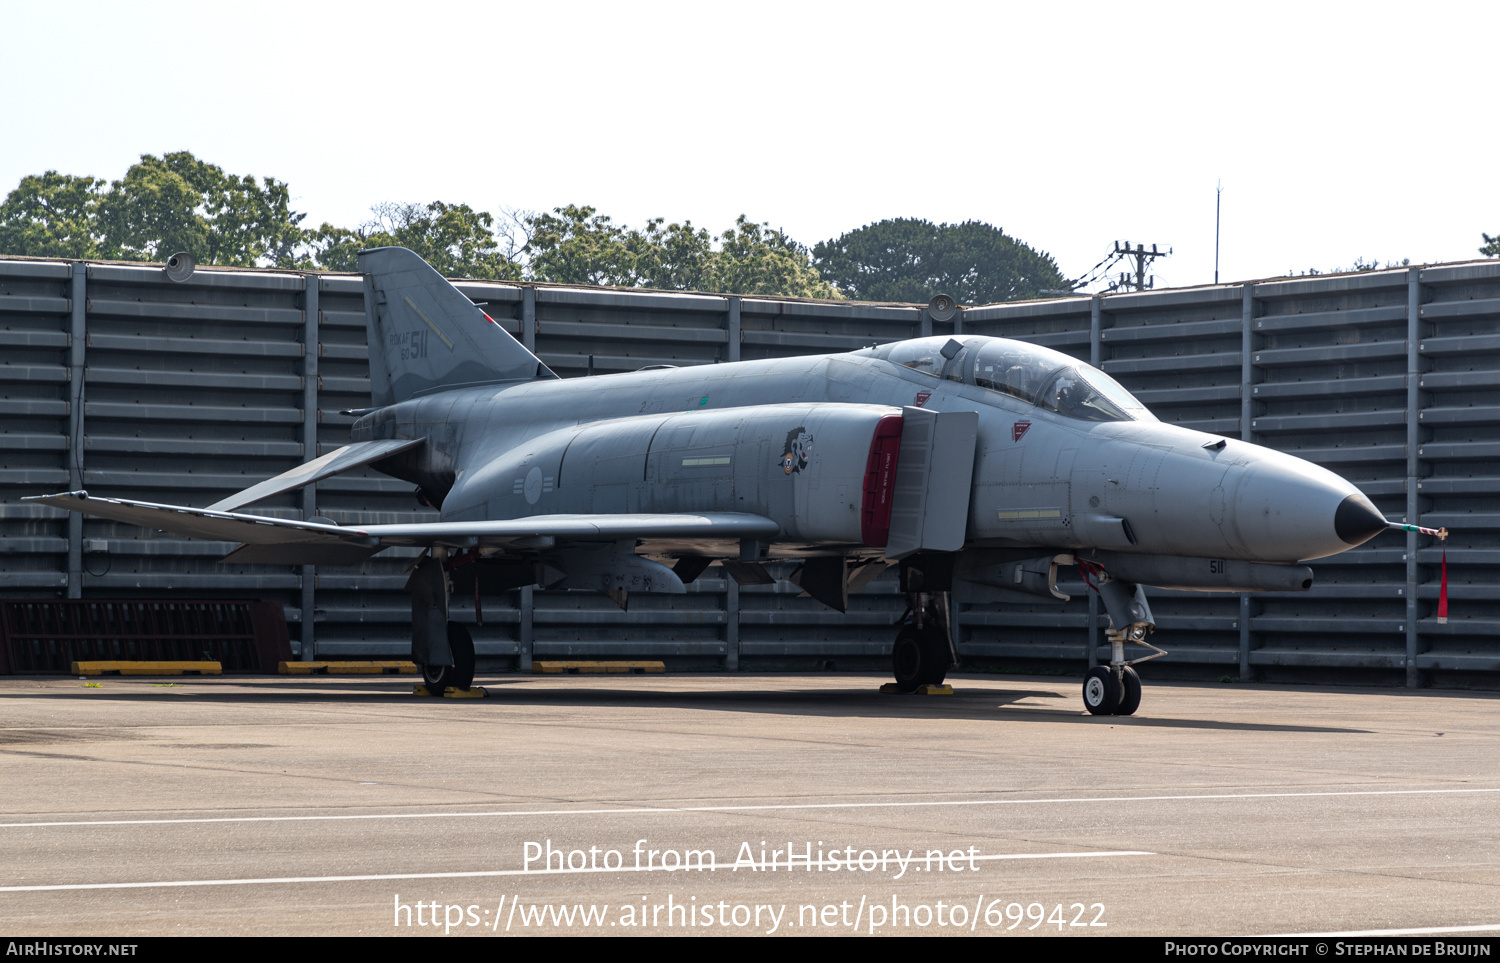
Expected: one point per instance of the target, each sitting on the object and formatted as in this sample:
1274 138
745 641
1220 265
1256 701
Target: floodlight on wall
180 266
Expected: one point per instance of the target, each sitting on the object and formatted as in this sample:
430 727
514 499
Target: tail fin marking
424 334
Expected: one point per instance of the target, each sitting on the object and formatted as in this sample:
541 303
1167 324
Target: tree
578 245
177 202
1491 246
52 215
163 205
455 239
758 259
911 260
674 257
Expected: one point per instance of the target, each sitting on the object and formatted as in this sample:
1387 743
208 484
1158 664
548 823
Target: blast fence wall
115 379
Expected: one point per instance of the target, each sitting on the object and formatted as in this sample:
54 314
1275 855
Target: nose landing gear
1115 689
1101 690
1110 690
1130 692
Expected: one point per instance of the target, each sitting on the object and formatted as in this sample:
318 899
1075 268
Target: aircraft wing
290 542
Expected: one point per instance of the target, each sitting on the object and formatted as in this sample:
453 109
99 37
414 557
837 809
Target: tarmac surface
252 805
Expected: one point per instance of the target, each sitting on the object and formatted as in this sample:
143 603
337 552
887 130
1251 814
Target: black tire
908 658
1101 690
435 677
1130 692
920 658
459 675
936 659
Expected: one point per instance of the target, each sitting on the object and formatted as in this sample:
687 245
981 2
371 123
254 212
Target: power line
1097 271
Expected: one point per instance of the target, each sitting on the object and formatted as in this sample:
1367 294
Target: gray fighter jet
966 458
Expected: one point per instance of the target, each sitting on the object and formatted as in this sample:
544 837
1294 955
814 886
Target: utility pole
1142 257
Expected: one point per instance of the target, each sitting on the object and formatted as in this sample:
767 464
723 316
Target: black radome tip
1357 521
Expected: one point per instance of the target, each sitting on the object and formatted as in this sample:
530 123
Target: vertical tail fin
424 334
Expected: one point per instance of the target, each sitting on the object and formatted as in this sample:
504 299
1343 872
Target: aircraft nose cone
1356 521
1285 509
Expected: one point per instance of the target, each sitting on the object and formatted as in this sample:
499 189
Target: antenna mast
1218 200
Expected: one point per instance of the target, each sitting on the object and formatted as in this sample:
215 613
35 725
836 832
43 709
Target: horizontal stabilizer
205 523
335 462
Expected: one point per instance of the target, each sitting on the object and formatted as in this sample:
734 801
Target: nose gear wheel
1101 691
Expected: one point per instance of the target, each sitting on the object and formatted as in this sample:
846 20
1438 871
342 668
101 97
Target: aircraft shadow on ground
861 700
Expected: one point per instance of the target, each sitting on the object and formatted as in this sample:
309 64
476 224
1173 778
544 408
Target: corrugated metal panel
35 309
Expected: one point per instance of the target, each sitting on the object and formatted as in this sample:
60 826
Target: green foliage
578 245
1359 266
1491 246
163 205
759 259
177 202
911 260
52 215
154 211
455 239
674 257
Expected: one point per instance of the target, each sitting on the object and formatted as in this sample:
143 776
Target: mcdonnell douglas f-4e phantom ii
959 458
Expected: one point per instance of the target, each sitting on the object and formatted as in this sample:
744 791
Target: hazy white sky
1339 130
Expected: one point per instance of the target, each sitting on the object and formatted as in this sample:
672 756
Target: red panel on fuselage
880 482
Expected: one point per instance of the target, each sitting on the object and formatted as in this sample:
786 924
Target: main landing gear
923 652
443 650
1115 689
459 675
920 656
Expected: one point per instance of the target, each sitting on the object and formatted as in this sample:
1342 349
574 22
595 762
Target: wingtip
81 495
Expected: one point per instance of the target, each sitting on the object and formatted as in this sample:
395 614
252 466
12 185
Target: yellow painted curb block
147 668
595 668
477 692
347 668
895 689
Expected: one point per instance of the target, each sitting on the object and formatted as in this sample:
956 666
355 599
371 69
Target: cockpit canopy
1037 375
